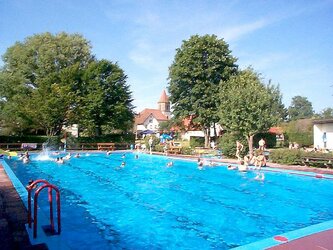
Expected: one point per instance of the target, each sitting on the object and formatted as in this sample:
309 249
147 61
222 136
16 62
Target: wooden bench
318 162
174 150
105 146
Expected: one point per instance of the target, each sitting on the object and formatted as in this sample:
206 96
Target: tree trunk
98 130
250 143
207 137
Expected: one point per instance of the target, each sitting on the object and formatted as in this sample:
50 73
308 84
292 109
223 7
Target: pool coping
55 242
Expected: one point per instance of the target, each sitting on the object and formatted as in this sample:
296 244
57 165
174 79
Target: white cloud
236 32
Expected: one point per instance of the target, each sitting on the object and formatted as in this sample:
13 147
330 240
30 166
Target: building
150 119
323 134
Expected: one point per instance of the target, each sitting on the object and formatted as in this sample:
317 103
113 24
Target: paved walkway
317 241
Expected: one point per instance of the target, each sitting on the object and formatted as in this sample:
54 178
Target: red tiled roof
276 130
164 97
143 115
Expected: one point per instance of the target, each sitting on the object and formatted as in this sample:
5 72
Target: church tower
164 104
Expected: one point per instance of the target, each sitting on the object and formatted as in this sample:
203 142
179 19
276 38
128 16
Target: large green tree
53 80
248 106
105 101
300 108
194 79
33 93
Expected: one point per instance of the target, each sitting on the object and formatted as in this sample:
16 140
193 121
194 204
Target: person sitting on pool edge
250 159
260 161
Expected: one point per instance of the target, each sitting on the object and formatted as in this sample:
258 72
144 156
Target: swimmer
60 160
123 164
231 167
21 157
68 156
26 159
200 165
30 183
260 176
136 156
77 155
212 164
108 152
242 167
123 156
170 164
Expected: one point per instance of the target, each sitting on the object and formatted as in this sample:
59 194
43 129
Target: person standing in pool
239 148
262 144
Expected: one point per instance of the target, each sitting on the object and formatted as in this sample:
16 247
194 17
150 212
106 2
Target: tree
33 93
105 100
194 79
300 108
326 113
49 81
248 106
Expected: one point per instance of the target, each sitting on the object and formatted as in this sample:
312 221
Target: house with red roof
149 119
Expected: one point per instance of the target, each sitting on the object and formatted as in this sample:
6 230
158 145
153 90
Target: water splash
44 155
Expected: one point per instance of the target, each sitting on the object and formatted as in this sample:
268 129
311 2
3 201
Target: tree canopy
248 106
194 78
45 80
300 108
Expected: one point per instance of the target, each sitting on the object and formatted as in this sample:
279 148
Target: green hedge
286 156
120 138
304 139
197 141
294 156
28 138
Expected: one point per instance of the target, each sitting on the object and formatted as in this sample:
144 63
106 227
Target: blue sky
290 42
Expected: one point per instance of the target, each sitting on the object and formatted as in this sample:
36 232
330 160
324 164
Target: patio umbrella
147 132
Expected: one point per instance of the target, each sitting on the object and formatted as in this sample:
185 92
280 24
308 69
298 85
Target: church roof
164 97
143 115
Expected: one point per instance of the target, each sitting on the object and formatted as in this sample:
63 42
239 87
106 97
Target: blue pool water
147 205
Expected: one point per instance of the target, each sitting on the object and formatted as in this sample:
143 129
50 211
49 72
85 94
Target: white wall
150 123
318 131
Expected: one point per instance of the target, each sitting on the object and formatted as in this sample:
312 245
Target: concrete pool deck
13 216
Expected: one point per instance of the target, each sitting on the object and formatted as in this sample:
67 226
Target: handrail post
50 199
51 208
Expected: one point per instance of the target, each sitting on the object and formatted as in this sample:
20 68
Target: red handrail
39 189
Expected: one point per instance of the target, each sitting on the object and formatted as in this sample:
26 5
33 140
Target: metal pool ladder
38 189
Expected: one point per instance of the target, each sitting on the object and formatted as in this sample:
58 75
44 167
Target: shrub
197 142
304 139
28 138
294 156
286 156
227 143
120 138
187 150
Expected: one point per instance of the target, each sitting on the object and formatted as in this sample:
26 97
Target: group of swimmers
204 162
61 160
25 158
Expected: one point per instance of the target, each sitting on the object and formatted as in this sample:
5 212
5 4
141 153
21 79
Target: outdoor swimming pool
147 205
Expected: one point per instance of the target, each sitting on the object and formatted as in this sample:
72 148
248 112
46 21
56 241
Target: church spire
164 104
